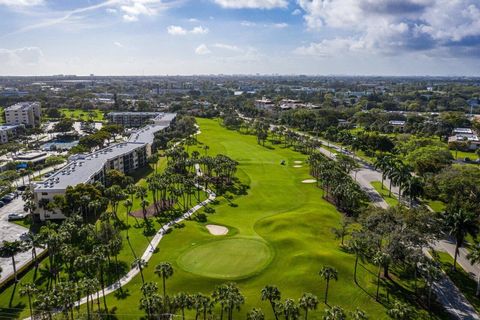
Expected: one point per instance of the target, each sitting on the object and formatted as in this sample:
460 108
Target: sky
186 37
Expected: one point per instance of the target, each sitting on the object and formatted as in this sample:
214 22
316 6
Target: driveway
10 232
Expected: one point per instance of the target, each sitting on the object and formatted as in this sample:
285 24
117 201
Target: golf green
234 258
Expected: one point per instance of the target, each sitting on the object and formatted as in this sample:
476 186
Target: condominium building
8 131
125 157
132 119
26 113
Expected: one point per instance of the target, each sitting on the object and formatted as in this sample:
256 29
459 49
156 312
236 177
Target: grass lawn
436 205
462 279
280 234
462 155
391 200
83 115
2 115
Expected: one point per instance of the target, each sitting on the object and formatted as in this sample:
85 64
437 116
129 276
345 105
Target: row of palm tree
400 174
339 187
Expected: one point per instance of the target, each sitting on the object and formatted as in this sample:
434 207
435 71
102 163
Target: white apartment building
26 113
7 132
125 157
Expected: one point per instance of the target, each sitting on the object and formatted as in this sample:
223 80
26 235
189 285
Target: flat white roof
22 105
83 167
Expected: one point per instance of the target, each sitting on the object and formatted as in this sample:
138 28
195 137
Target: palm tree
255 314
359 314
290 310
341 232
29 290
201 304
308 302
328 273
459 224
272 294
229 297
380 259
474 257
140 264
164 270
150 301
33 241
183 301
10 249
400 311
334 313
357 245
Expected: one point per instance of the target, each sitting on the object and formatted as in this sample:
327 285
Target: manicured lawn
462 155
280 233
436 205
462 279
289 217
83 115
391 200
2 115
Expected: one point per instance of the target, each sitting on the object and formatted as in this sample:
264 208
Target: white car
16 216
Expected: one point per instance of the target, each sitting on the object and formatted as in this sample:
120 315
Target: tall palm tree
334 313
10 249
474 257
399 311
359 314
165 271
290 310
328 273
357 245
308 302
29 290
459 224
255 314
140 264
33 241
380 259
272 294
183 301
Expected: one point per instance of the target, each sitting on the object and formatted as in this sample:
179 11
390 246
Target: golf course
279 233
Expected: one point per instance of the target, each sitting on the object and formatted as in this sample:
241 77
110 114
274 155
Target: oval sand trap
217 230
297 162
309 181
232 258
297 166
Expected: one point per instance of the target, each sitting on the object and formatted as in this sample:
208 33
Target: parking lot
10 231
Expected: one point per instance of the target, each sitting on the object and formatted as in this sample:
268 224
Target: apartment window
44 193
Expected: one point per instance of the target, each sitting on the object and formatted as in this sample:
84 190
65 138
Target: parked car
15 216
7 199
2 204
22 188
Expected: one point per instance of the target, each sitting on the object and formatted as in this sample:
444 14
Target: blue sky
159 37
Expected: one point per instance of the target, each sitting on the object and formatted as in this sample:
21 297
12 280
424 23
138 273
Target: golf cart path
148 253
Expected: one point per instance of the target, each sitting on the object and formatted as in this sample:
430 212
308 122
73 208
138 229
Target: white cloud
296 12
21 56
176 30
129 18
199 30
180 31
202 49
282 25
248 24
111 10
193 20
227 47
118 44
252 4
21 3
393 27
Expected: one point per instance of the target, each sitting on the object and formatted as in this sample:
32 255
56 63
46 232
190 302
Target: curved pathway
147 254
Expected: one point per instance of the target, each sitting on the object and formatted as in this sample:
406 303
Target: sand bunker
217 230
297 166
297 162
309 181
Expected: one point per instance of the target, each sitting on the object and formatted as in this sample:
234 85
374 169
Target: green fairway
279 210
232 258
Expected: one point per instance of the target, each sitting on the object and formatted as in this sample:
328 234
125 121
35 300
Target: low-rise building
26 113
132 119
466 137
125 157
8 132
264 104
